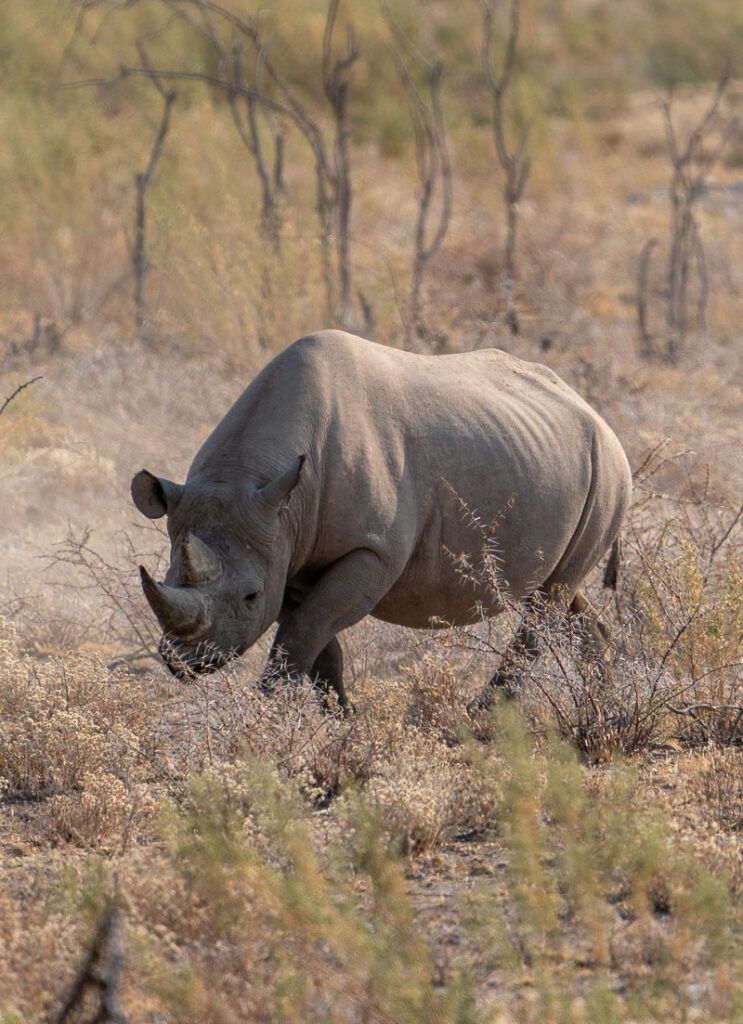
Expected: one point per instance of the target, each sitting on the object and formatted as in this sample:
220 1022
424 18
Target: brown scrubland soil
576 858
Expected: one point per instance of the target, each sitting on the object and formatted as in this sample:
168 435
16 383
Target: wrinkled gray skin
334 487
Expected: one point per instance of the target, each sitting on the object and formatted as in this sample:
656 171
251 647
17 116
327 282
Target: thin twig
21 387
718 544
642 296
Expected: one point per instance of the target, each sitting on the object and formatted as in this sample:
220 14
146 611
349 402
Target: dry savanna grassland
186 187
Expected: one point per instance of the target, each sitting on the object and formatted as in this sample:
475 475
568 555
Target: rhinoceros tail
611 572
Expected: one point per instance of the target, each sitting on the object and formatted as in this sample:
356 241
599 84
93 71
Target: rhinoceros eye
251 597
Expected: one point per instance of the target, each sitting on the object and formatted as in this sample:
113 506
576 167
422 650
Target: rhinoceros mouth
187 664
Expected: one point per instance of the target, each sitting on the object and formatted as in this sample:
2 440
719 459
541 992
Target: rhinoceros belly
459 573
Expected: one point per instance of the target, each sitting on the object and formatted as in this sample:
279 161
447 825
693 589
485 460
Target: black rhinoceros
334 489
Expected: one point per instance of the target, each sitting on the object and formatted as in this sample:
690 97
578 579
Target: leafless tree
514 161
434 177
245 104
279 103
691 162
335 83
141 184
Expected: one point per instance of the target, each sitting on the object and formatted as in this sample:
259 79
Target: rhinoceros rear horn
277 491
179 610
199 563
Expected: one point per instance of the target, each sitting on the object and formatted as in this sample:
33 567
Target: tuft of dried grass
103 813
63 719
722 784
425 791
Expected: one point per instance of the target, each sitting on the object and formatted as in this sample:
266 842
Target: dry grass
257 847
723 787
65 719
254 907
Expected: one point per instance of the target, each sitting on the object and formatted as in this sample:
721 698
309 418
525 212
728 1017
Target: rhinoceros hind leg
506 680
593 635
524 648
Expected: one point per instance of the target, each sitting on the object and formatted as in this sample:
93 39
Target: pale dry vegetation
581 859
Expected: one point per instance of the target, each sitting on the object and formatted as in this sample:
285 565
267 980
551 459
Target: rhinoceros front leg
326 672
306 638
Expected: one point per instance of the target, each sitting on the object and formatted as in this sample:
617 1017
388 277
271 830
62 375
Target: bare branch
21 387
690 164
642 296
246 124
141 183
335 84
719 543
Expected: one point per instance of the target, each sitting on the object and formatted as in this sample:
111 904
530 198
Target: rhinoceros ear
275 493
154 496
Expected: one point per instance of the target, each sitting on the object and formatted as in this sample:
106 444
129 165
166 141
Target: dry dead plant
434 171
102 813
63 718
670 667
141 182
127 624
514 161
685 598
83 743
289 728
691 163
424 792
437 695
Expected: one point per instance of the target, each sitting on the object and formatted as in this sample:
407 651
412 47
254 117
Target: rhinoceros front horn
199 563
179 610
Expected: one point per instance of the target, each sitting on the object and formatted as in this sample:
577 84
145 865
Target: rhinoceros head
228 564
